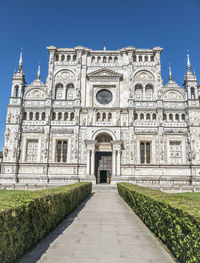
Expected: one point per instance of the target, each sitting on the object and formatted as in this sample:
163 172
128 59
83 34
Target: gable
35 94
173 95
104 74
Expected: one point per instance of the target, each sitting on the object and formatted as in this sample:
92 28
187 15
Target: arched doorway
103 158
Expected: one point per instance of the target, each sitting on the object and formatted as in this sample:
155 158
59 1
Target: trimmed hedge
175 220
26 217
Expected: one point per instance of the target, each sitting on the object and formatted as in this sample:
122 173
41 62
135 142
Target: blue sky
35 24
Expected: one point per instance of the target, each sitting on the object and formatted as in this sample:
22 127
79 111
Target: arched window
57 58
31 116
59 91
74 57
148 116
152 58
145 152
192 93
62 58
16 91
71 116
43 116
59 116
135 116
134 58
53 116
177 117
149 92
109 116
146 58
104 116
25 116
58 151
116 59
110 59
138 92
103 137
66 116
37 115
140 58
154 116
104 59
70 92
170 117
98 116
68 57
183 116
142 153
98 59
164 117
141 116
93 59
64 151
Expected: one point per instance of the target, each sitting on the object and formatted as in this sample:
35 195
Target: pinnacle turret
170 73
38 73
20 66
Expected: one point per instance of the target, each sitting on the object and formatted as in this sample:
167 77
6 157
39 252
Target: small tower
18 84
190 82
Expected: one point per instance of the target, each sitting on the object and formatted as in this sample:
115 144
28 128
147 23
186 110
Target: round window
104 96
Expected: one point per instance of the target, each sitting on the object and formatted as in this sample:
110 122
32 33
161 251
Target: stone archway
103 144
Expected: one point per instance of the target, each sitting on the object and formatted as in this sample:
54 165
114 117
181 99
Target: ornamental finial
104 45
188 62
170 73
20 61
38 73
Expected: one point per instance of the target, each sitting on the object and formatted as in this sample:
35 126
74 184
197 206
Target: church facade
103 116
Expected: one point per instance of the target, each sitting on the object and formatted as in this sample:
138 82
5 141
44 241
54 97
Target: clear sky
35 24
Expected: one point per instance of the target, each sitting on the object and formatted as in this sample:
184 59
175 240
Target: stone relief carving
65 74
144 75
35 94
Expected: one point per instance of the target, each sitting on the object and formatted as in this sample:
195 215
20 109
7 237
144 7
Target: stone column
88 162
90 157
118 162
114 163
92 162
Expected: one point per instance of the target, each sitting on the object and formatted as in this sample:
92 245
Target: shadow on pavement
39 249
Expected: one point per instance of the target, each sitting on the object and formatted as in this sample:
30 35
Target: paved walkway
102 229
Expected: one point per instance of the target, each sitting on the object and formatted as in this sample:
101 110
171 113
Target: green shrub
174 219
26 217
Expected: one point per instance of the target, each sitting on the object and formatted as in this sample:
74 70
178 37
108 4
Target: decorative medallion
104 96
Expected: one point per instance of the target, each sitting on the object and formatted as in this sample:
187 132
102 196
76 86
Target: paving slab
103 229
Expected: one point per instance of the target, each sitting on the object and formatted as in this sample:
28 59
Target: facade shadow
35 253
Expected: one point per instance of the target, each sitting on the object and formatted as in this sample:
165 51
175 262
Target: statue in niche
7 134
5 152
9 117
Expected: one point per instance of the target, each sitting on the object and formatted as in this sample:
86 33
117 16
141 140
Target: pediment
173 94
104 74
35 94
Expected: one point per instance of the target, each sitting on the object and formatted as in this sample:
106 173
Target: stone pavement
103 229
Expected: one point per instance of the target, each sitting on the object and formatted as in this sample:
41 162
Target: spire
170 73
38 73
188 62
20 62
104 48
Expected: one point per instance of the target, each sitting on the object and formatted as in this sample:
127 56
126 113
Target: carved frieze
62 130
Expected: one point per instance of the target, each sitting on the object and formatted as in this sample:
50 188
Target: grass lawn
192 196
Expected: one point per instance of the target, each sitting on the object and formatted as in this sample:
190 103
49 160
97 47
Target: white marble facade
102 101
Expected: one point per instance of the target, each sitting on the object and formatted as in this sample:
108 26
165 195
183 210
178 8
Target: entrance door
103 167
103 177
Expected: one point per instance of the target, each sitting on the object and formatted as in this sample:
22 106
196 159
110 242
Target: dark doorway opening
103 177
103 167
